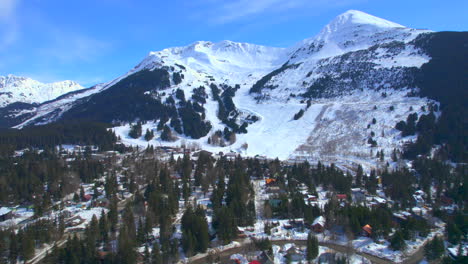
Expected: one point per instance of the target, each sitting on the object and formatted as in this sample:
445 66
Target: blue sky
94 41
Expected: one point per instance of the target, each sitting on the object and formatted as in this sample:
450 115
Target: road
43 253
247 245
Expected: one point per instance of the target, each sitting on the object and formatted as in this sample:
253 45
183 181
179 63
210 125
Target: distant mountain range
26 90
335 96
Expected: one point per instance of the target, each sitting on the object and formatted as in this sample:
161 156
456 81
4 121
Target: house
202 152
265 259
87 197
367 230
230 156
273 189
102 255
5 214
270 181
274 202
341 197
294 255
358 195
319 224
446 200
102 202
297 223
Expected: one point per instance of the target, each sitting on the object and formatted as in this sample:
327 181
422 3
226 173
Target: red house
341 196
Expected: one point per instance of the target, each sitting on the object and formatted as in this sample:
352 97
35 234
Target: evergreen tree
225 224
397 242
149 135
195 237
156 257
453 233
126 248
141 235
359 175
14 248
166 135
312 247
27 245
434 249
135 131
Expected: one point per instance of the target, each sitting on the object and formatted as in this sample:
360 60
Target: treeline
22 179
51 135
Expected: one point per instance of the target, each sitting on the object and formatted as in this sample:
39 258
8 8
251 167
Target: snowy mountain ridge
315 100
26 90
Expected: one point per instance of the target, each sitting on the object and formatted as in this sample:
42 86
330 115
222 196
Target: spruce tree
397 242
312 247
14 248
149 135
434 249
156 257
27 245
454 233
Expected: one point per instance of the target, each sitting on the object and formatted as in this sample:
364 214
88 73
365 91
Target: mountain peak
359 17
352 23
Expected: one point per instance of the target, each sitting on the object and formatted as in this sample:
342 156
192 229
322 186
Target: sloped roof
4 211
319 221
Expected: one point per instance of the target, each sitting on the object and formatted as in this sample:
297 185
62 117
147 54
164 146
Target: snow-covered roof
319 220
380 200
4 211
454 250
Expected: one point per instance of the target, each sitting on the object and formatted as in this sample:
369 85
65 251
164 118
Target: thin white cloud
227 11
7 9
9 27
66 46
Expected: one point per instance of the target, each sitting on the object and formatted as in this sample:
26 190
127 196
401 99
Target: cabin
318 226
5 214
367 230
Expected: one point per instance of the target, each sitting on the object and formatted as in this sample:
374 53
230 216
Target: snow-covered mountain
26 90
333 97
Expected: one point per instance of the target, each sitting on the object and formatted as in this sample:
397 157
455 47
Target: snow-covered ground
331 130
